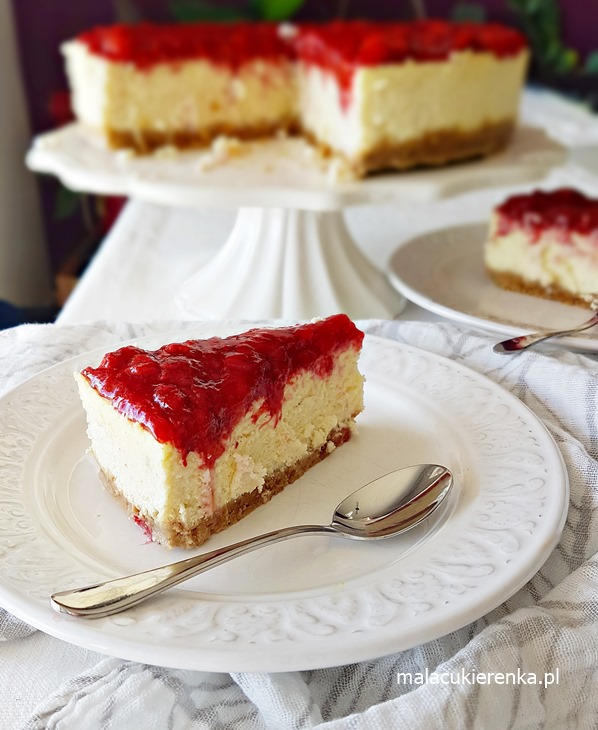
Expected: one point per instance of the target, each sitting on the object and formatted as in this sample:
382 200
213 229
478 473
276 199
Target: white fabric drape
550 625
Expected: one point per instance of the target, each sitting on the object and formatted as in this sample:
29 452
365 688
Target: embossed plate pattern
310 602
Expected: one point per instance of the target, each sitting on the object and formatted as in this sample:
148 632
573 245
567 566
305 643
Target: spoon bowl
385 507
522 342
392 503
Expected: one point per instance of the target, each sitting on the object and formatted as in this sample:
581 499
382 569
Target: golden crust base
430 150
439 148
514 282
434 149
144 141
179 535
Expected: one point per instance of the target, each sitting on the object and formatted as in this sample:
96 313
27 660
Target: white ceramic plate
275 173
443 272
313 601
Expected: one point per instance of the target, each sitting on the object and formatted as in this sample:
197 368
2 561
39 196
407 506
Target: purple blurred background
42 25
75 224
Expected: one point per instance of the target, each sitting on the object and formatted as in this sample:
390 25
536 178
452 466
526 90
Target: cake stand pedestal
284 263
290 254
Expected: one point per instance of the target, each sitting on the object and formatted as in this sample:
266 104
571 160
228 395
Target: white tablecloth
550 625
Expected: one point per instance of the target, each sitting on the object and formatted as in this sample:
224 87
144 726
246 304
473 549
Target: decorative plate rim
505 533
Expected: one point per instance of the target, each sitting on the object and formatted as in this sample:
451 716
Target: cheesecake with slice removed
378 96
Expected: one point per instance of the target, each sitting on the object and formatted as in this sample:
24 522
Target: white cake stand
290 254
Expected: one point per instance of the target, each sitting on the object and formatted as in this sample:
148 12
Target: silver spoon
516 344
383 508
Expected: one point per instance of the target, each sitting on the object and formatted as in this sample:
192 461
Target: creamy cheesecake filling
175 533
545 264
546 244
414 112
183 103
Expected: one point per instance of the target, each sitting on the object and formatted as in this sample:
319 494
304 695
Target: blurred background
49 233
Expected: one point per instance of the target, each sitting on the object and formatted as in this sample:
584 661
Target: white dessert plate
443 272
310 602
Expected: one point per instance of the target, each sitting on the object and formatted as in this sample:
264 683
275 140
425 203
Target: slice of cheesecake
195 435
400 95
546 244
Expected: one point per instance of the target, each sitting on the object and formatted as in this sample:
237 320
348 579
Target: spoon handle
104 599
515 344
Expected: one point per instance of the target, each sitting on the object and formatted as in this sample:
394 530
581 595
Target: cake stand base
289 264
293 256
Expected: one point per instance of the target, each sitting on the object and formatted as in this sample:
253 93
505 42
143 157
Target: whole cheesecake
193 436
378 95
546 244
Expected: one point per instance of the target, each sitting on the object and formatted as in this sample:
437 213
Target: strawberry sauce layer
193 394
564 211
147 44
362 43
332 45
343 46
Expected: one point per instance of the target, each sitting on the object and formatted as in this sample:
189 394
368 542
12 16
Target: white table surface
135 275
153 249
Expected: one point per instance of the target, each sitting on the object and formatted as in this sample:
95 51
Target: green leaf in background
66 203
275 9
469 12
190 11
566 61
591 64
540 21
